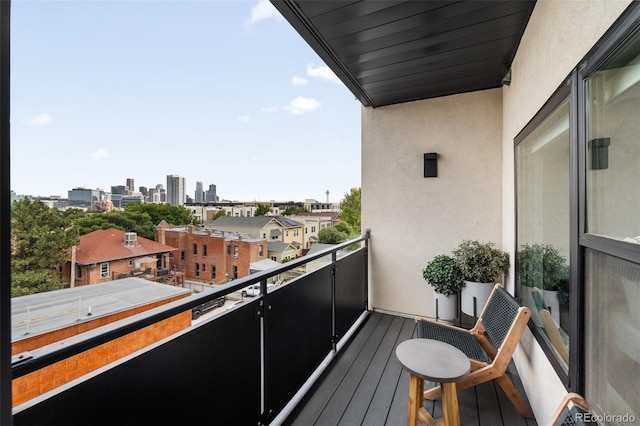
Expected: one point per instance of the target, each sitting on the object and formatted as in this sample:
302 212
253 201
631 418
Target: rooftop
42 312
109 244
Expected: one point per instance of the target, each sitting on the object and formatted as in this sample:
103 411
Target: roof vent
130 238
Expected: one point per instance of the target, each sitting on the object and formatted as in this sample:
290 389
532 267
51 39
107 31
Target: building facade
176 190
212 256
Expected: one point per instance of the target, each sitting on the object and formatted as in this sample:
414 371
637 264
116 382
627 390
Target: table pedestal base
417 412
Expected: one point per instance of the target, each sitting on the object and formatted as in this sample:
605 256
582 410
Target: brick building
211 255
109 254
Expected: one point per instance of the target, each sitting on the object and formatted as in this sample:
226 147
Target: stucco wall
558 36
412 218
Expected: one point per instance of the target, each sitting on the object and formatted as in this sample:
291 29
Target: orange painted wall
54 375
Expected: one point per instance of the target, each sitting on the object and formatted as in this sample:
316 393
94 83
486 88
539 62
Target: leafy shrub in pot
444 275
480 262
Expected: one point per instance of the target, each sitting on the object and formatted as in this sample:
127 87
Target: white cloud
243 118
100 154
40 120
301 105
322 72
298 81
269 109
263 10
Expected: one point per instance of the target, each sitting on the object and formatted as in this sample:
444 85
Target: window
313 229
213 272
197 269
543 225
182 255
235 272
306 230
204 249
295 232
577 204
260 250
204 267
104 270
78 272
611 225
229 249
130 263
235 251
195 248
613 148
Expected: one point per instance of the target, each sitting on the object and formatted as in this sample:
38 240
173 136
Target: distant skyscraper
199 198
210 195
130 185
176 190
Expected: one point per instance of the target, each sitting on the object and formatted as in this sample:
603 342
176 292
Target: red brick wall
216 255
33 384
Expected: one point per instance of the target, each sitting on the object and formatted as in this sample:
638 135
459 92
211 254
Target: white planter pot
480 291
447 306
550 298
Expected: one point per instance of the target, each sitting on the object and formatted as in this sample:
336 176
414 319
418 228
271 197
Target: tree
127 221
292 211
350 208
262 210
39 237
175 215
331 235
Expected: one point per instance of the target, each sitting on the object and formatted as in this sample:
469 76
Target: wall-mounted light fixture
431 164
599 153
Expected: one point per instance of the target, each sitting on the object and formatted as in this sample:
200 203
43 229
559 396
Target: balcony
308 351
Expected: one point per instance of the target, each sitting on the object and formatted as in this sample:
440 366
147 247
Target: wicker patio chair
573 410
489 344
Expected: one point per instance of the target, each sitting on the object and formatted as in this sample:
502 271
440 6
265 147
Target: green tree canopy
292 211
262 210
175 215
332 235
39 237
127 221
350 208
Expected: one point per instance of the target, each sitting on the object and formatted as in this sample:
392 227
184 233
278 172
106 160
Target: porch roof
389 52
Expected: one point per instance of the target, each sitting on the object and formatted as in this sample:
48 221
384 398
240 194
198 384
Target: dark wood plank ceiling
388 52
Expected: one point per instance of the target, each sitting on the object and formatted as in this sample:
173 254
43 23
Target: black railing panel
351 290
208 374
298 335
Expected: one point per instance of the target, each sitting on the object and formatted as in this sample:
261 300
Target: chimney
327 192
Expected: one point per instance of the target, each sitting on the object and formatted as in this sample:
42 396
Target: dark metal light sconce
431 164
599 153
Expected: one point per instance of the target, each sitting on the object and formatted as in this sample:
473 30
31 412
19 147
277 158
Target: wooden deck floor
366 385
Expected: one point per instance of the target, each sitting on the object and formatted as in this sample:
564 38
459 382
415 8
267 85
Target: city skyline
220 92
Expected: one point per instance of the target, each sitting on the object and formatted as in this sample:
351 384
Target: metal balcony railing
248 365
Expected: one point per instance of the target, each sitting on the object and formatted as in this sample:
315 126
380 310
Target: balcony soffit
388 52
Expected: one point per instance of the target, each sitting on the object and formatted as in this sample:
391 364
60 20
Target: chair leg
516 399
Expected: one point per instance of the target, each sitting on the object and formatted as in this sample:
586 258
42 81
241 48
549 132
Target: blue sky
223 92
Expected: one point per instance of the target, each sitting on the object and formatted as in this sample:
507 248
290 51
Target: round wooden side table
435 361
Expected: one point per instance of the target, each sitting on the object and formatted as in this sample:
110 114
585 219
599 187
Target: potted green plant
444 275
481 264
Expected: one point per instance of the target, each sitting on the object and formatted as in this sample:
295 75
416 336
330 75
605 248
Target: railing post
334 338
366 269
